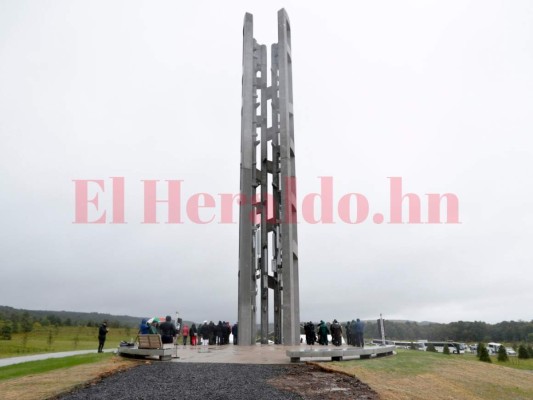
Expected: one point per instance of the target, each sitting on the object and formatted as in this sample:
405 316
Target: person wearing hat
102 332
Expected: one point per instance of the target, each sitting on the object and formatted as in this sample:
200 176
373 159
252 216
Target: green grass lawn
36 367
514 362
413 362
423 375
66 338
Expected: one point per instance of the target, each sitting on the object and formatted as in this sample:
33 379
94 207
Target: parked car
510 351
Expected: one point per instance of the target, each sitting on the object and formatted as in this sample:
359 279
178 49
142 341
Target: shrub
446 349
522 352
483 353
478 350
530 351
502 354
6 332
50 339
431 347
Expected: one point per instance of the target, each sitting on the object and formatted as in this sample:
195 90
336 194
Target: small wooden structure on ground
150 346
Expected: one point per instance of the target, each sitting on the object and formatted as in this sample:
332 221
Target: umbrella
153 319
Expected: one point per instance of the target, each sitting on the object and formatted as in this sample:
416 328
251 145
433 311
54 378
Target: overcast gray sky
438 93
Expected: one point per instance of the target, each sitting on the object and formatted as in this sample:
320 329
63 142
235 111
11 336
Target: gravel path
191 381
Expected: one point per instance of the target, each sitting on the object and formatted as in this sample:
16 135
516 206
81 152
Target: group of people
166 329
209 333
217 334
354 333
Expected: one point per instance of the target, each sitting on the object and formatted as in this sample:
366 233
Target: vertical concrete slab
246 298
290 307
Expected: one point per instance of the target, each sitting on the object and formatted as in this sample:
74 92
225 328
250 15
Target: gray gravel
190 381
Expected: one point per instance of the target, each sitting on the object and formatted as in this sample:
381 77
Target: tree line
461 331
24 321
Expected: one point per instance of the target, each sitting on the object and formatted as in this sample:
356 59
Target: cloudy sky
438 93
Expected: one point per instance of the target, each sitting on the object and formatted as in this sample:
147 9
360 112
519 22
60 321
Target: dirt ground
50 384
312 382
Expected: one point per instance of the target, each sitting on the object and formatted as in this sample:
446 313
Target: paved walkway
258 354
45 356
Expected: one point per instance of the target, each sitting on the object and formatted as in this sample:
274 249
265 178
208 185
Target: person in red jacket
185 333
193 333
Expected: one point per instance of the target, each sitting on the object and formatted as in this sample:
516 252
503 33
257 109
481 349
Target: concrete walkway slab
258 354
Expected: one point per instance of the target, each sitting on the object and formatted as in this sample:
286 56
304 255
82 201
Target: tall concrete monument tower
268 239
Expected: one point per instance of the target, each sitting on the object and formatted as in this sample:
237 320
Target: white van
493 347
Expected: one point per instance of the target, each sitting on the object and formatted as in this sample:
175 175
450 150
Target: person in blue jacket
144 329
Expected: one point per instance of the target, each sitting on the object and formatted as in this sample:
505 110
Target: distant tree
412 346
68 322
50 340
7 331
484 353
522 352
15 320
530 351
114 324
26 323
76 340
24 340
478 349
15 326
502 354
446 349
431 347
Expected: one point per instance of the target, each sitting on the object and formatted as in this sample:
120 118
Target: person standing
168 331
323 333
336 333
235 333
359 330
102 332
193 333
348 333
353 333
212 334
144 328
310 334
185 332
153 329
204 332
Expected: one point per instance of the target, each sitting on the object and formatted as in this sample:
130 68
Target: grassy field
423 375
35 380
38 367
47 340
